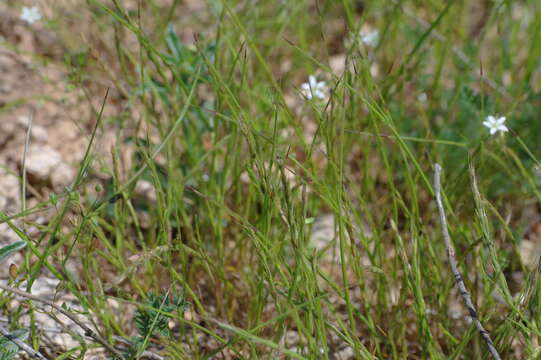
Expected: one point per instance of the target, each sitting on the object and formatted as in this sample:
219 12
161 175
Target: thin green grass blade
10 249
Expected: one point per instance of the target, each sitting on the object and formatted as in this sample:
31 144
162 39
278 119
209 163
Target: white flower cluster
314 89
30 14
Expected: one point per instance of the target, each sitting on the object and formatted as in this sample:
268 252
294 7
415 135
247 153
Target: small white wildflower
369 37
366 36
422 97
314 88
495 124
30 14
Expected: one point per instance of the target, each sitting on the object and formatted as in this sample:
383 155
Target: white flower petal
487 124
503 128
500 120
369 38
493 131
490 118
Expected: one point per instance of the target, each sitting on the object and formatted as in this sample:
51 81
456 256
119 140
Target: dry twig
145 354
466 297
22 345
87 331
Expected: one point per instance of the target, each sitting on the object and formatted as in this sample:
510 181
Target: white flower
314 88
30 14
366 36
369 37
495 124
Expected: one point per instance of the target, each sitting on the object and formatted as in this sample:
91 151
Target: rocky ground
37 98
35 92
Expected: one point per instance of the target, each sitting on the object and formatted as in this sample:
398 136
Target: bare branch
87 331
22 345
466 297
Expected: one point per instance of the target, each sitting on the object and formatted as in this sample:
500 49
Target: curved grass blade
10 249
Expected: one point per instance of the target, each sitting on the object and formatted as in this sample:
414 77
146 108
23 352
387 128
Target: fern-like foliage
151 319
8 349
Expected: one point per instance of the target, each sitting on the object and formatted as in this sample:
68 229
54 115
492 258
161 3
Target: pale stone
322 231
146 189
345 354
338 63
10 188
41 160
62 176
39 133
529 252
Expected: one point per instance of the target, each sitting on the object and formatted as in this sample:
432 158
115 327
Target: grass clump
297 226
